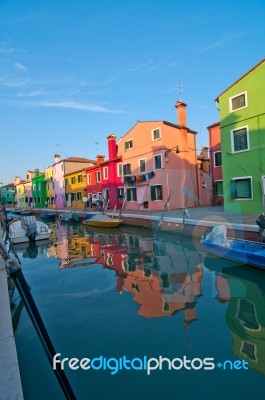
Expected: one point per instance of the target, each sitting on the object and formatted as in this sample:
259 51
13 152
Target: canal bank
10 382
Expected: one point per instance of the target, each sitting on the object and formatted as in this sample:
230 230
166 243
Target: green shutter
233 189
243 188
153 192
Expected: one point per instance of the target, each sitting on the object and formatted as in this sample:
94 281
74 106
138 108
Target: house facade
75 188
39 190
7 196
50 193
62 168
105 178
242 123
214 135
159 163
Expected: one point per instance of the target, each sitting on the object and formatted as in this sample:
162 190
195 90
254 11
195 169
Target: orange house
160 164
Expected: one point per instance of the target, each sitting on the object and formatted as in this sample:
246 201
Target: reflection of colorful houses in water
59 248
245 315
163 277
166 278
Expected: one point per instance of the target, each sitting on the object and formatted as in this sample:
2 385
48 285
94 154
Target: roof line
243 76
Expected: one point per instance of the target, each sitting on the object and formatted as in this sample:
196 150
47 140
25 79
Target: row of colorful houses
153 165
156 163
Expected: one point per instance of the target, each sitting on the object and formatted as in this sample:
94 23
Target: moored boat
26 228
102 221
243 251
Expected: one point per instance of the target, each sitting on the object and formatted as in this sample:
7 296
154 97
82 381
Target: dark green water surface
126 293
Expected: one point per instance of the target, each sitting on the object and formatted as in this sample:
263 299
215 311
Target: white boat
24 229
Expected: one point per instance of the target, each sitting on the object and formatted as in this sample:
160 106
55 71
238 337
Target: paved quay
196 221
10 383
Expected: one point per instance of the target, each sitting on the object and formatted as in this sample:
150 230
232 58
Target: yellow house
49 186
75 189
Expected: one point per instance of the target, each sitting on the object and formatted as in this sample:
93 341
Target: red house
216 162
105 178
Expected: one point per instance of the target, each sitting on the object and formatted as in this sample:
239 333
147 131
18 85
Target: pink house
160 164
216 162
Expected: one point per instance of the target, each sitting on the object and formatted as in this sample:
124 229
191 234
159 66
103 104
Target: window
156 192
218 188
73 180
217 159
89 179
73 196
119 169
241 188
105 173
66 182
249 350
158 162
98 176
237 102
79 178
127 169
39 186
128 144
156 134
142 165
240 140
120 192
246 313
79 196
131 194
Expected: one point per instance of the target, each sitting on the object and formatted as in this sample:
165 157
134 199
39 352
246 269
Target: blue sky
74 71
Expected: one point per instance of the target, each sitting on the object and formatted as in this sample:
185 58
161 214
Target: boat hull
25 239
112 223
242 252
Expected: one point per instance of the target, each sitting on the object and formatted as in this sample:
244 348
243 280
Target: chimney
56 158
112 146
100 158
181 111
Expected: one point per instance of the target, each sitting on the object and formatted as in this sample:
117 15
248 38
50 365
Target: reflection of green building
242 124
245 318
39 189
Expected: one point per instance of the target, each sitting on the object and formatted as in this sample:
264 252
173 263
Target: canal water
155 318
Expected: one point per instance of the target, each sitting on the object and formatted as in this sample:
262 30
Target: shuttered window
240 139
241 188
156 192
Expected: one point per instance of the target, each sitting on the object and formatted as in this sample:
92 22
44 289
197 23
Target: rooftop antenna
180 91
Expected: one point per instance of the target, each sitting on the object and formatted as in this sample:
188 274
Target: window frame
161 158
235 96
128 144
88 179
123 169
239 178
105 173
214 158
233 141
131 190
153 131
139 163
119 169
155 186
98 176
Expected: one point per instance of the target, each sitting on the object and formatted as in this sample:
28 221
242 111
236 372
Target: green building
242 123
7 194
39 189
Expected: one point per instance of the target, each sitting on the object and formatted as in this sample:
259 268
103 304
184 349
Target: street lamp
176 148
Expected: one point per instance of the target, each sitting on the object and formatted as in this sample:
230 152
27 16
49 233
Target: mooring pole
17 275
